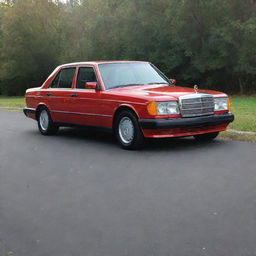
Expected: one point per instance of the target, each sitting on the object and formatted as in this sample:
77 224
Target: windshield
116 75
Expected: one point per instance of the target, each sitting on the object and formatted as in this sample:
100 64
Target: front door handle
48 94
73 95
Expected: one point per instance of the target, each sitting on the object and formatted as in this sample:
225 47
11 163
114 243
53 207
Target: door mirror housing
90 85
173 81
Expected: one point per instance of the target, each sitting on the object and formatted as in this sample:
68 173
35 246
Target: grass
244 109
13 102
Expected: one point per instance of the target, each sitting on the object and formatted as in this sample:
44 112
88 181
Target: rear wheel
45 124
206 137
127 130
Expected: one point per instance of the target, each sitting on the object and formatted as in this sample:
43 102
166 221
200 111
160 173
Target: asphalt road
78 193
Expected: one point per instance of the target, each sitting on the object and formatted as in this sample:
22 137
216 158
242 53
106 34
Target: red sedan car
133 99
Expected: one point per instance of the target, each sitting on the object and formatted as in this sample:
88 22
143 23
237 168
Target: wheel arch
40 105
122 108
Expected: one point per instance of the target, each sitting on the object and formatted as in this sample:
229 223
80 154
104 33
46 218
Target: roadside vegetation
12 102
244 109
244 126
210 43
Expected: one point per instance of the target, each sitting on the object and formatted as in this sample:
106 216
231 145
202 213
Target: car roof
100 62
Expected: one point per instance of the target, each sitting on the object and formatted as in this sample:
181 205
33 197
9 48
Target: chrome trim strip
197 115
63 97
196 95
184 109
77 113
128 102
196 103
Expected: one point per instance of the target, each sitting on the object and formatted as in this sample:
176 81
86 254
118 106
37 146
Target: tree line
208 42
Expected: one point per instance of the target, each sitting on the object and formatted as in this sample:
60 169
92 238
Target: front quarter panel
109 103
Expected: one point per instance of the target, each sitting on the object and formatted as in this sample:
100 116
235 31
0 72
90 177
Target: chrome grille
196 104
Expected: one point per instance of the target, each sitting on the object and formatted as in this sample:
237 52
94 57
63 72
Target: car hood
161 92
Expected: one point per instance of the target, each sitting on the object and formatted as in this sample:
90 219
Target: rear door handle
73 95
48 94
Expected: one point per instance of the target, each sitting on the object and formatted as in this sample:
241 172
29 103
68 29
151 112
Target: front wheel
206 137
45 123
127 131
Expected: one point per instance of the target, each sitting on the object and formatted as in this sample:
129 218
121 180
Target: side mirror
173 81
90 85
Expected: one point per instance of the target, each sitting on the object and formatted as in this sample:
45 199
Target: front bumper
190 122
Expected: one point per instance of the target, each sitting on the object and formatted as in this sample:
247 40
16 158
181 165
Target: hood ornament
196 88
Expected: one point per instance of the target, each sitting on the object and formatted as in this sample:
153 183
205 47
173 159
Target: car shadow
108 139
182 143
88 134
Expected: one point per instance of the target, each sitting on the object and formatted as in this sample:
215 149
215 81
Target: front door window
85 74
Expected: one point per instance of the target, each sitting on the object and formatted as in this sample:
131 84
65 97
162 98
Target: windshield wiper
157 83
124 85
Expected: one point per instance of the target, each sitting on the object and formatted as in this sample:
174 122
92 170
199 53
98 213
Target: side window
85 74
55 81
64 78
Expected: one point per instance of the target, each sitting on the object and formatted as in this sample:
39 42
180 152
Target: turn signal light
151 107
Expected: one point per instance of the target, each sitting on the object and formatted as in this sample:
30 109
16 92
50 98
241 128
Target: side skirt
95 128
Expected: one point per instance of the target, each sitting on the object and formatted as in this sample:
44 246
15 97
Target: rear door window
64 78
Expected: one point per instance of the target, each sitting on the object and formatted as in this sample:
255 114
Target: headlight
220 104
167 108
163 108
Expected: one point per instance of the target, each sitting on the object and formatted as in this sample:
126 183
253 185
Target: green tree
210 42
30 44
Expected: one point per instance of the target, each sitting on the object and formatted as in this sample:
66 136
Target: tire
127 131
206 137
45 124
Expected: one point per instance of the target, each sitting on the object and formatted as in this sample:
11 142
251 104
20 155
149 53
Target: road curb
241 132
11 108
